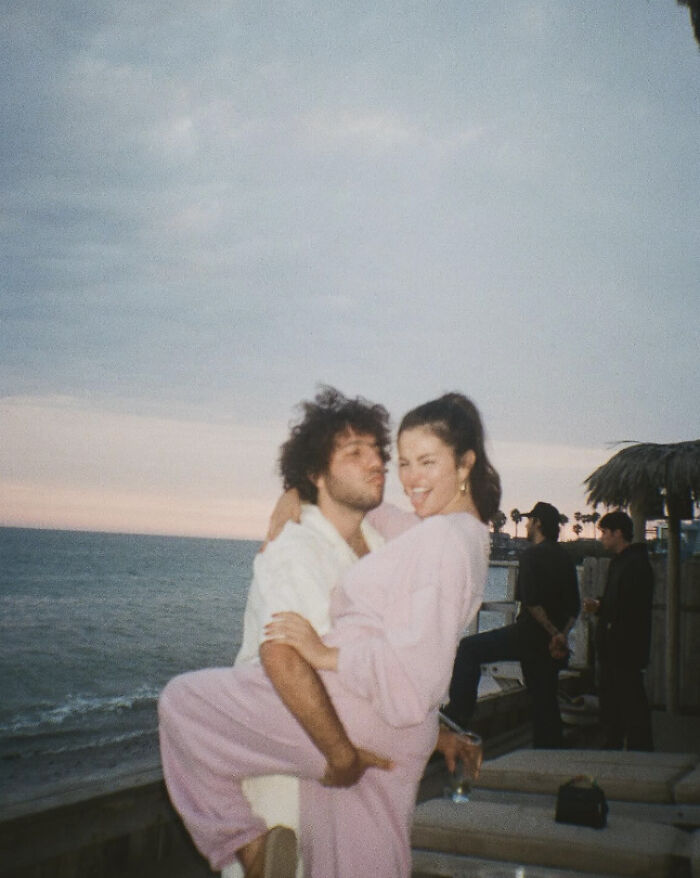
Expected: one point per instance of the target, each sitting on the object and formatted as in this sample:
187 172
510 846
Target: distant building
690 538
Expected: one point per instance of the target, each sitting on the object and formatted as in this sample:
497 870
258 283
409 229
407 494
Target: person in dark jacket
623 636
549 605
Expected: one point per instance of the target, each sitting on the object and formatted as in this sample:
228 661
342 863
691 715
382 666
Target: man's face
530 529
355 474
610 539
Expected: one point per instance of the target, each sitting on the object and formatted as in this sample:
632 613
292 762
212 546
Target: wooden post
639 521
673 603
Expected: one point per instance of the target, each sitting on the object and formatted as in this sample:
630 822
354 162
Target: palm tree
593 517
577 528
498 519
563 519
590 518
516 517
641 476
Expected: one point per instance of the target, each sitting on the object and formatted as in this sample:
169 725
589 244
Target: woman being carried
397 618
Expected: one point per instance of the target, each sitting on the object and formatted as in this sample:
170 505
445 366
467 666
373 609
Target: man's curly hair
307 452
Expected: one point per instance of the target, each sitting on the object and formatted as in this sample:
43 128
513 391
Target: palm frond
645 471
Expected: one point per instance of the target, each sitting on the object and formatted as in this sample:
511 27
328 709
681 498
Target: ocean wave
78 707
55 748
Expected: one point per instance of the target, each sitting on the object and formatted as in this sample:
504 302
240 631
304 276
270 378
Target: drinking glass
460 780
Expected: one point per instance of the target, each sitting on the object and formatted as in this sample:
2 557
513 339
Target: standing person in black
549 604
623 636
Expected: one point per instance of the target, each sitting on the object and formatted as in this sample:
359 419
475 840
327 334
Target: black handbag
582 805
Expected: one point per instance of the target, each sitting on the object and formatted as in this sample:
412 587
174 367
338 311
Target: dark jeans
540 673
624 708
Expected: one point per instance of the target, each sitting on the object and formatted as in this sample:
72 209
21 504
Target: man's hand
296 631
591 605
345 773
302 690
455 747
558 646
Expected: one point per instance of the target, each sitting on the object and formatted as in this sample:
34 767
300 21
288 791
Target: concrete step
530 837
625 775
427 864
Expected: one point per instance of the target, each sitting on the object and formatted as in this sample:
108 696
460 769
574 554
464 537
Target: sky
208 210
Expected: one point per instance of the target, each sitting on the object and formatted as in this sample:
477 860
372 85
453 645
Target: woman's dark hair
456 420
307 452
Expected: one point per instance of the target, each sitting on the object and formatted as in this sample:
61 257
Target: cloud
363 130
205 212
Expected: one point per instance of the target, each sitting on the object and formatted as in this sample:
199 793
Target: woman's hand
455 747
296 631
287 508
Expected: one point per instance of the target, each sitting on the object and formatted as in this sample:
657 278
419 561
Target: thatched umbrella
642 477
694 10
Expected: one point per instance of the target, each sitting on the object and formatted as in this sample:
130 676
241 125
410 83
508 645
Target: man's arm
539 614
302 691
558 640
570 622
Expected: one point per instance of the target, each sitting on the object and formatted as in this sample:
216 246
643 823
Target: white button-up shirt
297 573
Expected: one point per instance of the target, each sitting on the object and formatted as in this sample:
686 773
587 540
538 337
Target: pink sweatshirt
399 613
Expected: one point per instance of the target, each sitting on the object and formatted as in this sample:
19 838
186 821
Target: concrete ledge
70 792
687 789
529 836
630 776
129 832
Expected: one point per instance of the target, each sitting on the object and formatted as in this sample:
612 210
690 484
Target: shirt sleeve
291 575
399 653
297 587
528 583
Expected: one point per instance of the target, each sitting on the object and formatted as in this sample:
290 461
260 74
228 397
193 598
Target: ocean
92 625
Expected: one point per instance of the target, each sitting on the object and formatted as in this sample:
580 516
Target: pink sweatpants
220 725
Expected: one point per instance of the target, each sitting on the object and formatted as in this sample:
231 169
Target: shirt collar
313 518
